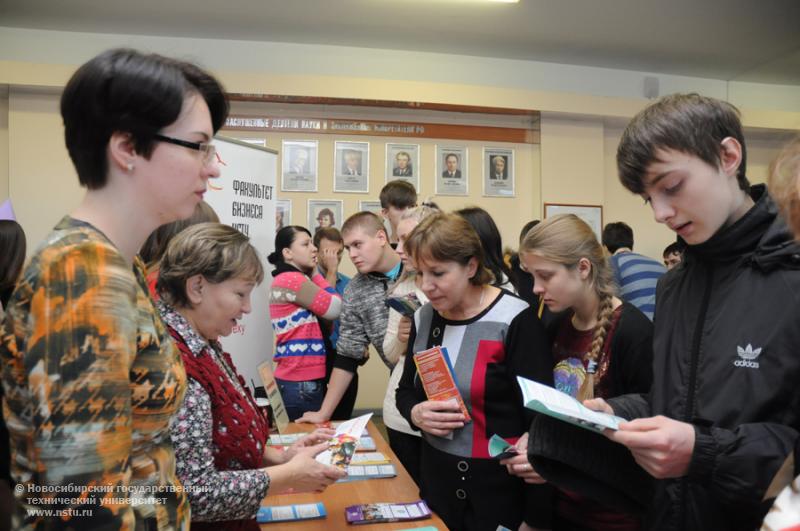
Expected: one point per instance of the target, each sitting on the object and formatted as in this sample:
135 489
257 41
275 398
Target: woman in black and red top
219 434
601 346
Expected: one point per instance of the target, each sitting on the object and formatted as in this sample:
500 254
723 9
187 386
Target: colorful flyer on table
288 513
342 445
373 513
436 374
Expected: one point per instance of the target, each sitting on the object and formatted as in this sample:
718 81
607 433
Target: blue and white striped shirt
637 276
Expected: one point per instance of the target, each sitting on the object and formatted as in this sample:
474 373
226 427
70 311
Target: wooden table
400 489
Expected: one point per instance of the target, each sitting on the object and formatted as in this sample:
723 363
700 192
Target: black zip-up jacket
726 357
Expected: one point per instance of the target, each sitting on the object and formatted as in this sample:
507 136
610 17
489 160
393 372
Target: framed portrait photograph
283 213
324 213
498 172
351 167
591 214
299 165
452 175
402 163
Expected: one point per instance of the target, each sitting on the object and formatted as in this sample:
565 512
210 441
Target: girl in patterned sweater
299 297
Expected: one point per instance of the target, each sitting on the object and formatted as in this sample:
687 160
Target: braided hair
566 239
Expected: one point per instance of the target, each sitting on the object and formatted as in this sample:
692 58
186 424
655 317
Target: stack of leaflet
289 513
373 513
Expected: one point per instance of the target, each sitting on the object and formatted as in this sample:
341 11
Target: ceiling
744 40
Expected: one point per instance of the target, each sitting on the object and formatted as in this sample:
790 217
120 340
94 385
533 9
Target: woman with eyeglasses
91 376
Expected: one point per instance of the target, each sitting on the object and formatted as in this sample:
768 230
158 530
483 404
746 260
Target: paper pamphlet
371 513
287 513
369 458
274 395
436 374
359 472
405 305
556 404
342 445
500 448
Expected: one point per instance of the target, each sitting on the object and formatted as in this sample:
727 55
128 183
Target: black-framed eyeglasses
208 150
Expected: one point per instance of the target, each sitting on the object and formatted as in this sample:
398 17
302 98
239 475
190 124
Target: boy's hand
661 445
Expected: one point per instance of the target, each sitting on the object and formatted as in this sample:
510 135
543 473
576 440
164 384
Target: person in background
524 278
673 254
156 244
601 345
299 297
722 416
636 275
13 246
395 197
330 246
492 242
403 439
364 313
219 433
490 338
784 184
90 374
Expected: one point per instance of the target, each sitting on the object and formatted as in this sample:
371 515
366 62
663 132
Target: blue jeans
299 397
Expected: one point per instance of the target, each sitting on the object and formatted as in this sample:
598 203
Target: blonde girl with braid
601 346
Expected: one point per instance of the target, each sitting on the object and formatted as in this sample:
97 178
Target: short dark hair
617 235
331 234
123 90
398 194
689 123
675 247
13 244
526 228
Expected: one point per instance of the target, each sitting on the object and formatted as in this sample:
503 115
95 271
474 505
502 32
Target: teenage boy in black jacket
723 413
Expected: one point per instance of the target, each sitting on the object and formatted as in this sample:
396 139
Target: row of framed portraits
321 213
300 165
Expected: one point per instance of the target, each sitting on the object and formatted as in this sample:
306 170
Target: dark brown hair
12 258
689 123
398 194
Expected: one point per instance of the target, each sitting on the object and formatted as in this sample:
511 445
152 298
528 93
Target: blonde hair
784 184
417 214
448 238
216 251
367 221
565 239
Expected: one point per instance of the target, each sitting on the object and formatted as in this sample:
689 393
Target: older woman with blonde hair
219 434
490 337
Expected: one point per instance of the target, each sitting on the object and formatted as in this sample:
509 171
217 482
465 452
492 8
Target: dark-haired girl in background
90 374
299 297
492 244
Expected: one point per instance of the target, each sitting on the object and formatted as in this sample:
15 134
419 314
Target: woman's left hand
317 436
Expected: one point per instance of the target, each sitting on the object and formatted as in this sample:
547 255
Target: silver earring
130 166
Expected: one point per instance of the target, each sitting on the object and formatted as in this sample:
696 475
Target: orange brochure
436 374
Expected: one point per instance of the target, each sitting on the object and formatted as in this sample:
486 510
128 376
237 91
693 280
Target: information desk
400 489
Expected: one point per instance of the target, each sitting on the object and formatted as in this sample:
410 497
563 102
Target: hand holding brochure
556 404
344 441
405 305
436 374
500 448
373 513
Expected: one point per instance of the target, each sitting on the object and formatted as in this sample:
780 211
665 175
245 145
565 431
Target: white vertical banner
244 197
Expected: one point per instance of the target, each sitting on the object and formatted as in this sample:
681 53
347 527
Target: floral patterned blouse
213 494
